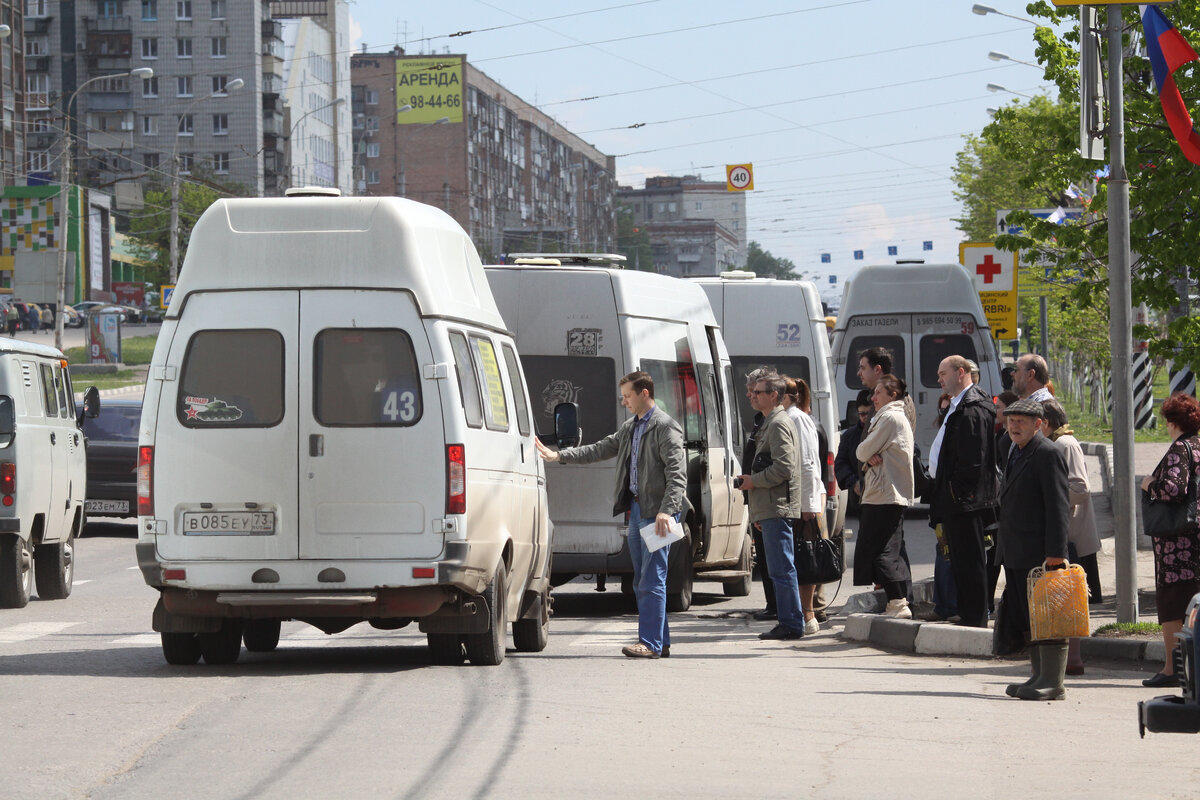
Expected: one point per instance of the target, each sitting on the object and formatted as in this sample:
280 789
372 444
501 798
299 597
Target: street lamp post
339 101
231 86
996 55
995 87
983 11
64 195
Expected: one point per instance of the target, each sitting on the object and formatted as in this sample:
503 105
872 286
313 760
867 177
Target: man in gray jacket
773 488
652 487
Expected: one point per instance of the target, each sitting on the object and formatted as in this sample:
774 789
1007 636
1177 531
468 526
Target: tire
445 648
531 635
627 585
261 635
16 571
487 649
741 587
54 569
224 646
682 600
180 649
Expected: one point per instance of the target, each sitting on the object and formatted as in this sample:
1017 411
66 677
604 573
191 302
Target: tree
633 241
761 262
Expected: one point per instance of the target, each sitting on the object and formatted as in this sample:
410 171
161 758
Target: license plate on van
106 506
228 522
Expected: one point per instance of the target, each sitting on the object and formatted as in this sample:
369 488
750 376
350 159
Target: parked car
112 452
73 319
1171 713
89 307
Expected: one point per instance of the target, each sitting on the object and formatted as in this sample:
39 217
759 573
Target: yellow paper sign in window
497 408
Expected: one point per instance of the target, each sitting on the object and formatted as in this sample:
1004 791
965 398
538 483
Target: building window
149 126
220 124
184 127
372 123
735 225
219 83
35 8
185 163
372 149
150 161
699 206
110 8
149 10
372 97
372 176
183 86
149 49
218 9
733 206
220 163
183 48
39 160
183 9
218 47
37 46
150 87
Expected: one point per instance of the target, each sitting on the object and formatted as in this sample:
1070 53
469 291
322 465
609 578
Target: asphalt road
92 710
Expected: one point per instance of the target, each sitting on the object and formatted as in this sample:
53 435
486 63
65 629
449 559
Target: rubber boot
1035 659
1049 684
1074 657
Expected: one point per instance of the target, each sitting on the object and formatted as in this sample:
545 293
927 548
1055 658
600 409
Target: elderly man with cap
1034 510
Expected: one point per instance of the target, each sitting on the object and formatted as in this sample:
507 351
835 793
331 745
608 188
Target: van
335 430
921 313
43 472
581 323
781 323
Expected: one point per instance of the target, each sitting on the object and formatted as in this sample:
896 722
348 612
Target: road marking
81 583
140 640
32 630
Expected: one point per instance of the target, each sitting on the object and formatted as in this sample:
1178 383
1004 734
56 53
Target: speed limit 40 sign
739 177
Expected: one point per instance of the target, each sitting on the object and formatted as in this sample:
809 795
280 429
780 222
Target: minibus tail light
830 480
145 486
8 481
456 479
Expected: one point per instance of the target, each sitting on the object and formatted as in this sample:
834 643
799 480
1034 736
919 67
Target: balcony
37 26
272 30
100 64
272 126
37 63
35 101
109 101
107 24
272 104
110 140
41 140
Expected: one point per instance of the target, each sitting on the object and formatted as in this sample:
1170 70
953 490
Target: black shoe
666 651
821 616
766 615
781 632
1160 681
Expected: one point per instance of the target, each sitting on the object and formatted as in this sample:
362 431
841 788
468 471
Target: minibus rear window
365 377
893 344
232 379
934 349
792 366
589 381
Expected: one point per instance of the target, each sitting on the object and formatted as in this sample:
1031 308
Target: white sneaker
898 609
811 625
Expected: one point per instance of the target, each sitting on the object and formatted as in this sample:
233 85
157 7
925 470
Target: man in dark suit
1033 529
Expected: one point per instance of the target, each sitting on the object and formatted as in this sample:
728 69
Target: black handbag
1162 519
817 561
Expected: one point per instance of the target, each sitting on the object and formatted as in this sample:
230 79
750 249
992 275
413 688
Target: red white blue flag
1168 51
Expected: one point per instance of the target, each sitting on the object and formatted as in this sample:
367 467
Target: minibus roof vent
313 191
738 275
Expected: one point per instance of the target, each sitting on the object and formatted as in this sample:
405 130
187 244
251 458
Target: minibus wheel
741 586
531 635
16 571
261 635
181 649
54 569
681 600
487 649
223 646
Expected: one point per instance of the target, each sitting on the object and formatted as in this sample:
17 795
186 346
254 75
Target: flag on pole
1168 51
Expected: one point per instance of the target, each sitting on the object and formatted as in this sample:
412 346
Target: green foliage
1121 629
633 241
134 350
762 263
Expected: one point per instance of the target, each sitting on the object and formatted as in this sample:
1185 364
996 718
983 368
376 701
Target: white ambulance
336 429
43 472
781 323
581 323
921 313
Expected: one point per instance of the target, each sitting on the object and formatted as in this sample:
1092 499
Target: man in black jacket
845 464
962 460
1034 509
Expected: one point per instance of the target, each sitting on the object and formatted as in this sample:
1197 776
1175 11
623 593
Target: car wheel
261 635
532 635
487 649
223 646
16 571
54 568
180 649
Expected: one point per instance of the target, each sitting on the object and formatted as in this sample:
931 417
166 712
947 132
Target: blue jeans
649 583
781 563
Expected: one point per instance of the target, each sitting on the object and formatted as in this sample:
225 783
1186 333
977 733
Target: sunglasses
761 391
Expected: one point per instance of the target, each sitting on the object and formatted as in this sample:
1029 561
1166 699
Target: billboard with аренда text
432 86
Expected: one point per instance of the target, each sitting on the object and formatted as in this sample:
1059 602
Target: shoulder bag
1162 519
817 560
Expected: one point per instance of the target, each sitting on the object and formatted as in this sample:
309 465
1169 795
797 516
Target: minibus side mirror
91 404
567 432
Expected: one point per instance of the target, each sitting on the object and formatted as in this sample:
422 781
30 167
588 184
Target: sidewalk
863 623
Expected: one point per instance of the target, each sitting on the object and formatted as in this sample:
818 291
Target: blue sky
851 111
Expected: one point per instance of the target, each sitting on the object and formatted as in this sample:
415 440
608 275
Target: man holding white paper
651 486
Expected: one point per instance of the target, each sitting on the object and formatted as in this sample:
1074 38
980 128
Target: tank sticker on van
210 409
584 341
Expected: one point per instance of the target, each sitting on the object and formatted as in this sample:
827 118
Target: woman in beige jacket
886 450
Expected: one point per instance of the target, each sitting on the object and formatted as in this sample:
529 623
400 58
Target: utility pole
1120 299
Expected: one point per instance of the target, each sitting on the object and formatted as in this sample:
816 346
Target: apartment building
12 93
436 129
696 227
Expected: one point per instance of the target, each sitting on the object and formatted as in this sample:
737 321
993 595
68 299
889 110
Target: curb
942 639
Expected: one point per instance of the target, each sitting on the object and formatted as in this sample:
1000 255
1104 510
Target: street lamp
995 87
339 101
996 55
231 86
64 193
983 11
